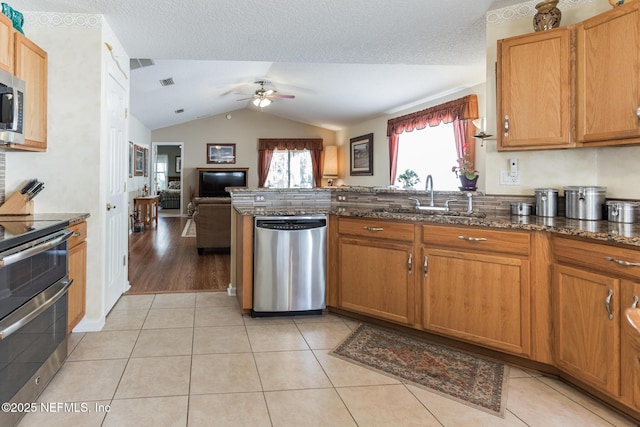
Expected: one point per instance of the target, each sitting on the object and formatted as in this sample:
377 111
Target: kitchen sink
432 213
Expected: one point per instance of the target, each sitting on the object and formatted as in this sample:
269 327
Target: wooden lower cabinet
376 278
480 298
630 347
242 258
78 272
587 339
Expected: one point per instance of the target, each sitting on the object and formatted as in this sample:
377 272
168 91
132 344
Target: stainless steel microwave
11 109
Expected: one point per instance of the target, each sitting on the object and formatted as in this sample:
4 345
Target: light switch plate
507 179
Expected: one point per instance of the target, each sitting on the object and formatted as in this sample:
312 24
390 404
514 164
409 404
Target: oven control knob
110 206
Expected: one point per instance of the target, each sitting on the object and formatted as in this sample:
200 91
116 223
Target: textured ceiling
345 61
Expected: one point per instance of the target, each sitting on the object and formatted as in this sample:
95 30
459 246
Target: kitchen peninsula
551 292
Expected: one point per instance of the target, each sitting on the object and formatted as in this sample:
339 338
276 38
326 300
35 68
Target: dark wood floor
162 261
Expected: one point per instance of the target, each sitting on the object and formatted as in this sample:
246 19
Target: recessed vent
167 82
140 63
181 110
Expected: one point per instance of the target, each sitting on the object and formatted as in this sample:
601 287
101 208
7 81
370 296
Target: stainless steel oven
33 318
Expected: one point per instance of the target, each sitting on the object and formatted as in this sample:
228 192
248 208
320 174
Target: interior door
116 230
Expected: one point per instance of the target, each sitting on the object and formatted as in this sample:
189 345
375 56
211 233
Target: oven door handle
34 250
34 308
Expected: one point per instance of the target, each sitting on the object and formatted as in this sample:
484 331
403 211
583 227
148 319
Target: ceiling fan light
256 102
265 102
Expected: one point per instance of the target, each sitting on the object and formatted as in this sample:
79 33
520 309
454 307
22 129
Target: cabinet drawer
376 228
477 238
610 259
79 233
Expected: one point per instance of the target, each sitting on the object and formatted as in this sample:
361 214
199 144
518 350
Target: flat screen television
212 183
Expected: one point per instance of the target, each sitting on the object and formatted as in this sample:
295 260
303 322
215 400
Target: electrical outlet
506 178
258 198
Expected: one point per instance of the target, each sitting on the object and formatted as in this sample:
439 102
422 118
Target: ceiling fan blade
282 96
244 99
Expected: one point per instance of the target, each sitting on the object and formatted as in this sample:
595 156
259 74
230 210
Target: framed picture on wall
131 154
146 162
221 153
178 164
138 155
361 155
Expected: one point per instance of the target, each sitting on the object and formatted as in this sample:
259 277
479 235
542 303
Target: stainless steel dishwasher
289 265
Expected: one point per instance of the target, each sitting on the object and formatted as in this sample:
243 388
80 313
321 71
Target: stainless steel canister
546 202
521 208
584 202
622 211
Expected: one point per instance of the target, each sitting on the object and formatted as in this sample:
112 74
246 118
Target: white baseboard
90 325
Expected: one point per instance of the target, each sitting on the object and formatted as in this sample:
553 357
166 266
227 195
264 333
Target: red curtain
264 161
459 111
465 143
266 146
393 157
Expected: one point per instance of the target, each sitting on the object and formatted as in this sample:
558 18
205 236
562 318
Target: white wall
243 129
140 135
72 167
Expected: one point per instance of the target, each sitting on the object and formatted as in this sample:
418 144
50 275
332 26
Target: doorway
167 176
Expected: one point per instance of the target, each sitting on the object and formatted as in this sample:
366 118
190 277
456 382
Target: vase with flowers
465 171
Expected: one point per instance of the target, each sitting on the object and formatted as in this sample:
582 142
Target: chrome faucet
428 186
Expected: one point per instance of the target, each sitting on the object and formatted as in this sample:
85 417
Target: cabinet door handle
638 112
634 304
373 228
410 262
472 239
607 304
622 262
506 125
425 265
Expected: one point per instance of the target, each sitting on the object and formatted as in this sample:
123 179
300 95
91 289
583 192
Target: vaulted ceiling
344 61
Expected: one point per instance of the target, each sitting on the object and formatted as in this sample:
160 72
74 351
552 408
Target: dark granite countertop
614 232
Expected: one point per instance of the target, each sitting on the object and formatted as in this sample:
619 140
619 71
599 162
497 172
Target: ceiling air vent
181 110
140 63
167 82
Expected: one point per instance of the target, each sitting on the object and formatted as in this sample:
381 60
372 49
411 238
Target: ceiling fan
263 97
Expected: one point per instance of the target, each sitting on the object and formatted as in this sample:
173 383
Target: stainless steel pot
621 211
521 208
584 202
546 202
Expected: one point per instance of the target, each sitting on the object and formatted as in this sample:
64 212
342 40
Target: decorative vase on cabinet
548 15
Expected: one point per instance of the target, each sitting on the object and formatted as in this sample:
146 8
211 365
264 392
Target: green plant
408 178
465 165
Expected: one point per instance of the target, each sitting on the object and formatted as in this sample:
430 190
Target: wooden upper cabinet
31 66
6 43
534 91
608 77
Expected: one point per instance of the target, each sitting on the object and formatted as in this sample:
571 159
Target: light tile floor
193 360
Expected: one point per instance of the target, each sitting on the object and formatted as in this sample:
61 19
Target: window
290 169
162 163
430 151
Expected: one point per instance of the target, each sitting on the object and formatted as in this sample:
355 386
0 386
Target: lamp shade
330 169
